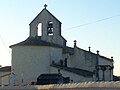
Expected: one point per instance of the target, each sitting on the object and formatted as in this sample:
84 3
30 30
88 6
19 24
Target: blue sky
15 16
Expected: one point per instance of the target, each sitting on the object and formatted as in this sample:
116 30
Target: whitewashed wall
82 59
103 61
29 62
44 17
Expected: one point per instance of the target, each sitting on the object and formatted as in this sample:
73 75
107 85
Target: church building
48 53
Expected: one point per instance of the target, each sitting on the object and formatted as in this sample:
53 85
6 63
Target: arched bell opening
39 28
50 28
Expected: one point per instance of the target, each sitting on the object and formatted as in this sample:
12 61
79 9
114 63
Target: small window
39 29
50 28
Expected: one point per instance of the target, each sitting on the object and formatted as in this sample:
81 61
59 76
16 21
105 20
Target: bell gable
50 28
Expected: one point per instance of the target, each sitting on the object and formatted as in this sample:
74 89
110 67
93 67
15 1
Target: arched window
50 28
39 29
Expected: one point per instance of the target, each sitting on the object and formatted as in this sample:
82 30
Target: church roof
69 50
111 60
78 71
35 41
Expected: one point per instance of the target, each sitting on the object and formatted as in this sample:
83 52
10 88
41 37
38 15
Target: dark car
44 79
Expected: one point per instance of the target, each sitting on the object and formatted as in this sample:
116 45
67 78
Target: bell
50 27
50 30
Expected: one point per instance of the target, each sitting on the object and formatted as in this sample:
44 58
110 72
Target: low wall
70 86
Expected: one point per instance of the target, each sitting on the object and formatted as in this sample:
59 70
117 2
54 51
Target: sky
94 23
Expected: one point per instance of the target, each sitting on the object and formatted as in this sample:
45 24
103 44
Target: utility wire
4 44
100 20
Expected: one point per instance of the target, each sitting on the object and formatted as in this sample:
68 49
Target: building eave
5 69
35 41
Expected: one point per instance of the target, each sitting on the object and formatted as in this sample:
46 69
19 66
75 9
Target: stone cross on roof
75 43
45 5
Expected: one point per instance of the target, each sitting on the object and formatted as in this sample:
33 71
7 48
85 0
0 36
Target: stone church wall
83 60
103 61
108 74
29 62
44 17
